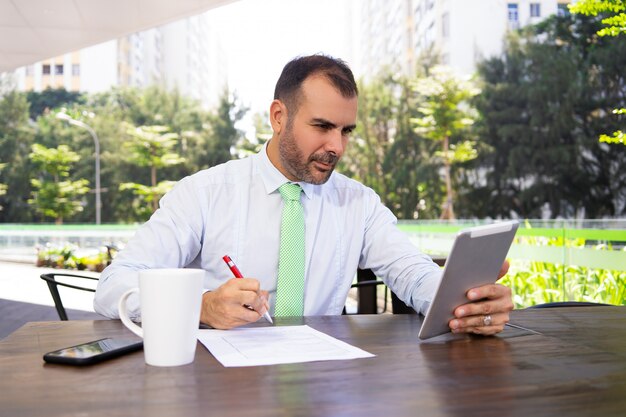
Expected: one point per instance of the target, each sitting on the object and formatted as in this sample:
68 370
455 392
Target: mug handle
121 308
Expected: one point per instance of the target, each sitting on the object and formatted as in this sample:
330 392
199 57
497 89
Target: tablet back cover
475 259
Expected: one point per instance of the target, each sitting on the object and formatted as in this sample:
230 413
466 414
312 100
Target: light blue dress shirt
235 209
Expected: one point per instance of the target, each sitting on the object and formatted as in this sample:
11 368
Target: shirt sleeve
388 252
170 239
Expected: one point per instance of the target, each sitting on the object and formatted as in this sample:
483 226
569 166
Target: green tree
54 194
3 187
51 98
386 153
613 12
614 21
262 133
198 143
414 181
446 113
206 137
222 134
152 147
375 133
544 103
16 137
150 106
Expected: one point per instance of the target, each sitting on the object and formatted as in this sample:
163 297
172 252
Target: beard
301 168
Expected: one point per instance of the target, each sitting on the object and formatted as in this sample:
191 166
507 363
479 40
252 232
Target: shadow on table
16 313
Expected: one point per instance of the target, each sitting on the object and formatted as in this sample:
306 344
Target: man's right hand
228 306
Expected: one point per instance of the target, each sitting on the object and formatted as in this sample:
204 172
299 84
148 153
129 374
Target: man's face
316 136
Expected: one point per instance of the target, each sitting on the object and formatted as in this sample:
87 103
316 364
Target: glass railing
560 260
553 260
587 243
21 242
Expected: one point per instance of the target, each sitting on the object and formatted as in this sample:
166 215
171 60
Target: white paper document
274 345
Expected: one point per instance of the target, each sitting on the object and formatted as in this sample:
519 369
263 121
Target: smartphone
94 352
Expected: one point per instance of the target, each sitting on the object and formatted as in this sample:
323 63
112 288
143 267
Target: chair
366 286
569 304
51 280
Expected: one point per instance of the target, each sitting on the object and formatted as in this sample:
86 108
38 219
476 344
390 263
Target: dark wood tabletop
576 367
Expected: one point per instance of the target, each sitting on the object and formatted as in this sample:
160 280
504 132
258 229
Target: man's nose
335 142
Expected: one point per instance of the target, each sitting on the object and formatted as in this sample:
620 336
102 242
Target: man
236 208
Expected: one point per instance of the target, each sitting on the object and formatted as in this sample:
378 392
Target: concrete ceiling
34 30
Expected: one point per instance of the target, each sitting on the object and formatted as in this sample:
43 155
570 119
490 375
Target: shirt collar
272 178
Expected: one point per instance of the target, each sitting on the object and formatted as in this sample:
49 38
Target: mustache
326 158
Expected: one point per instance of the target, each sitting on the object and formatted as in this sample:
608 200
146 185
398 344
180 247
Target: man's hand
235 303
488 309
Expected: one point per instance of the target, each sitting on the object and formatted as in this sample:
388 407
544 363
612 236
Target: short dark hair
300 68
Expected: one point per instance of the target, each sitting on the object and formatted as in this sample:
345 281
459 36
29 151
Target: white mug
170 301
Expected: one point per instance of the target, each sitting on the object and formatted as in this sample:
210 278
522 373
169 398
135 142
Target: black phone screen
95 351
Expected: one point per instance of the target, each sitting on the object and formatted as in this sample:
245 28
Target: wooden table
576 367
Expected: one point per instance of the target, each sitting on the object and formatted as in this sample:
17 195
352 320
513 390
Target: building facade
185 55
395 33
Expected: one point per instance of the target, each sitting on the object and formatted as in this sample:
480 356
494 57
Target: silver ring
487 320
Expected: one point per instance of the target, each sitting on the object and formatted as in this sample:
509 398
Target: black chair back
53 286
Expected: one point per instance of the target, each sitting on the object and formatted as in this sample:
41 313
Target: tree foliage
544 103
613 12
445 113
262 133
16 137
204 140
614 21
51 98
152 147
387 154
222 134
54 194
3 187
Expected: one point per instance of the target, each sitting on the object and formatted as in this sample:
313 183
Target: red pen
237 273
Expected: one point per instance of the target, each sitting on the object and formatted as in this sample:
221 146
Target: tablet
475 259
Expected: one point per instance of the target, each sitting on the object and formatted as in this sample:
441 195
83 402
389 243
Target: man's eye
348 131
324 127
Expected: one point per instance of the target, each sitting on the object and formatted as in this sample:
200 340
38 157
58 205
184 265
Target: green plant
69 256
52 196
540 282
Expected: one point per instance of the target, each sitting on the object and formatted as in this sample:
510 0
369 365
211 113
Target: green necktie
290 286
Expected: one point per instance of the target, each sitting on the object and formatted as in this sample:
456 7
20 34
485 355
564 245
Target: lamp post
67 118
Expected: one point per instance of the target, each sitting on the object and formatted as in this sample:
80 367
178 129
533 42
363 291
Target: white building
463 32
185 55
385 36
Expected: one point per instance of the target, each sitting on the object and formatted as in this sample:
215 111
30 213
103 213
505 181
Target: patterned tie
290 286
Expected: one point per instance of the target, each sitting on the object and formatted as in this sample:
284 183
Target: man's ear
278 116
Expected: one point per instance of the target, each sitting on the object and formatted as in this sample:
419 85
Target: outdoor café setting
312 208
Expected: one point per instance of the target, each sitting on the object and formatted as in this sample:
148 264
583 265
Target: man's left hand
488 309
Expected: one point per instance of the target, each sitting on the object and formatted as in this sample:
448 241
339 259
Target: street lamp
67 118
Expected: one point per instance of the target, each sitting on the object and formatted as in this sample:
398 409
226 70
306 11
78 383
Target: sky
261 36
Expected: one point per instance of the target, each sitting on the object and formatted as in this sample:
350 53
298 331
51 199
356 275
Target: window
58 69
45 69
513 15
562 10
76 69
30 70
445 25
535 10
